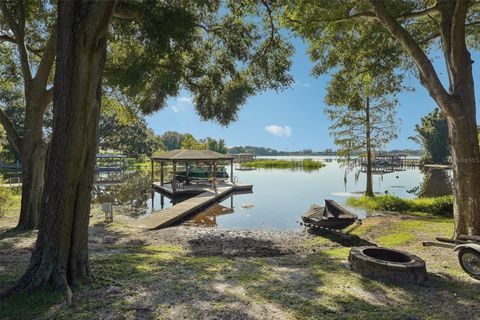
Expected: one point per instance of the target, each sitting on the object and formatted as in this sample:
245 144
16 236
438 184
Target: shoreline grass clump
437 206
284 164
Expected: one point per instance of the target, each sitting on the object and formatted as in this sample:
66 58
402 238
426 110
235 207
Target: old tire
470 262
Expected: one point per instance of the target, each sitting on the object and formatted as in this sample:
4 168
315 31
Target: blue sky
294 119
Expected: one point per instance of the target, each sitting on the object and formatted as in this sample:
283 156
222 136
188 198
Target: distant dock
206 197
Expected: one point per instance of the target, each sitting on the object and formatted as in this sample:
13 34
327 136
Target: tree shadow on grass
350 295
229 281
343 239
238 246
13 233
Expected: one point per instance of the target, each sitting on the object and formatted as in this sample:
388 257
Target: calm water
279 196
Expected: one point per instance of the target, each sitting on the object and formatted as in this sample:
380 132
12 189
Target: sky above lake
294 119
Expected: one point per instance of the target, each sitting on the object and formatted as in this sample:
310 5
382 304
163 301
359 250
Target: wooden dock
167 217
196 189
437 166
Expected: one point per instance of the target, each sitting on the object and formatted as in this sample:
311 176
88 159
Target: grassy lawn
306 164
169 274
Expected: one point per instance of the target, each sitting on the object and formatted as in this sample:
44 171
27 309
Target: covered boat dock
205 192
174 184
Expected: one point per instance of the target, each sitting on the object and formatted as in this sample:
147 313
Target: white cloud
302 84
279 131
181 103
186 100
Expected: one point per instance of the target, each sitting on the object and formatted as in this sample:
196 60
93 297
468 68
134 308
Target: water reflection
128 191
208 218
279 196
436 183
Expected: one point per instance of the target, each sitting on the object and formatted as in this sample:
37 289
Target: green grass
148 281
396 239
284 164
31 305
439 206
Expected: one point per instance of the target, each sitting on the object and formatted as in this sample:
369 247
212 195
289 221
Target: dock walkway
166 217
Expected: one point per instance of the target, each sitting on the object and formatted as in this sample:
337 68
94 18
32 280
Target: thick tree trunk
31 147
463 137
369 187
458 103
60 258
460 111
33 167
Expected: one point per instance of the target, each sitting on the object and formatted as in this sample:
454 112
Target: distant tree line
174 140
262 151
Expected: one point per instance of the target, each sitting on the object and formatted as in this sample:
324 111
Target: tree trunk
60 258
369 188
465 151
460 111
458 103
33 167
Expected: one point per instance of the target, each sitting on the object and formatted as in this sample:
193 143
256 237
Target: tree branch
18 29
270 18
372 15
428 75
360 15
12 134
7 38
459 53
49 96
428 11
458 24
473 23
46 64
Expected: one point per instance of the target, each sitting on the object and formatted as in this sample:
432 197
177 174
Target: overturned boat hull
332 216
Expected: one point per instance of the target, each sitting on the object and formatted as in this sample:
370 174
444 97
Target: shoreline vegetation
436 206
308 164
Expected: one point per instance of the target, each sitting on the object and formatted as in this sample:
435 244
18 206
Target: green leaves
222 54
189 142
124 131
362 110
432 134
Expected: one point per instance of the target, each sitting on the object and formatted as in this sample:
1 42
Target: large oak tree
334 28
35 56
214 51
155 48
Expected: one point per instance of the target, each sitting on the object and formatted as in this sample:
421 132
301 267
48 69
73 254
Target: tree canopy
189 142
213 49
359 107
126 132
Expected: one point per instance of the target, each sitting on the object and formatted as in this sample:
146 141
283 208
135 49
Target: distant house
244 157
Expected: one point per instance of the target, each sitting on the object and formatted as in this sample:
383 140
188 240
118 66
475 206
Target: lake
280 196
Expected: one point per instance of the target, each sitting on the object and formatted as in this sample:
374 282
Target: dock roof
186 154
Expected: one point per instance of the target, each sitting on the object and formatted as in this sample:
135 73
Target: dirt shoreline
189 272
211 241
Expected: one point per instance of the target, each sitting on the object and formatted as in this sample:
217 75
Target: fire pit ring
387 264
